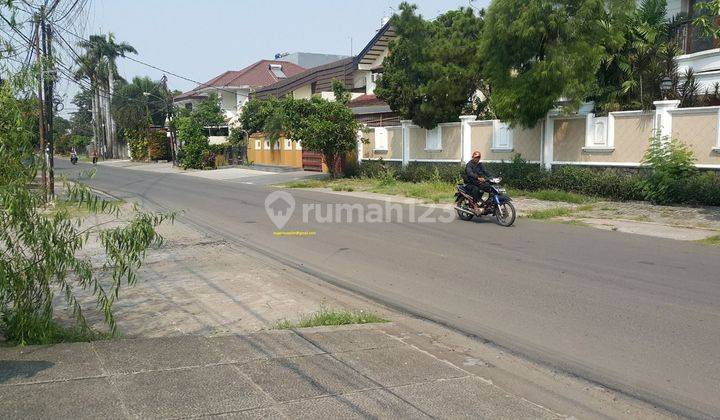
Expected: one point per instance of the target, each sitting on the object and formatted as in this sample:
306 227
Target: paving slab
349 340
376 403
189 392
305 377
137 355
265 345
47 363
399 366
470 397
75 399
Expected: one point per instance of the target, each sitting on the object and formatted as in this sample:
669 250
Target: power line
150 65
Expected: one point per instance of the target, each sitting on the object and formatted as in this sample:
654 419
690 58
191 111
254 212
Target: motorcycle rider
73 155
476 177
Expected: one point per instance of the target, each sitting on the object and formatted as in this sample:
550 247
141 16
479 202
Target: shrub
195 152
672 165
158 146
138 145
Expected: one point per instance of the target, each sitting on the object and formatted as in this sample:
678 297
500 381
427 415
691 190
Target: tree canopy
139 104
432 70
536 52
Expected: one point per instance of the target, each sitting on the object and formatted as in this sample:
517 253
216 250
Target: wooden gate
312 161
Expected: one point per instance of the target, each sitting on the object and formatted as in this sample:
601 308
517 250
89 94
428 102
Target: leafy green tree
191 133
139 104
641 56
329 128
42 252
536 52
432 70
255 114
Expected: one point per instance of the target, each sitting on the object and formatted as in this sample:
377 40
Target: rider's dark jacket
474 170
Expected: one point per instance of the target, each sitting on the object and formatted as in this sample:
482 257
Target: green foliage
255 114
535 52
195 152
208 112
323 126
672 165
549 213
138 105
42 252
65 143
432 69
341 94
328 317
138 144
195 146
705 22
158 146
642 54
327 127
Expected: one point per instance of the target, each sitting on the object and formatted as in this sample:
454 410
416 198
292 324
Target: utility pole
169 124
48 77
41 113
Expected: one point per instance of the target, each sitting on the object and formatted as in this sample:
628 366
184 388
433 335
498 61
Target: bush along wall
158 146
666 180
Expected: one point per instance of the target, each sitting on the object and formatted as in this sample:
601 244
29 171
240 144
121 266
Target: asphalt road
633 313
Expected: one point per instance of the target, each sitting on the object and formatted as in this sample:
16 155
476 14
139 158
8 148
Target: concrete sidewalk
347 372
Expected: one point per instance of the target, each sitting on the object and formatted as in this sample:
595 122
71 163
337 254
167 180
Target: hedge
614 184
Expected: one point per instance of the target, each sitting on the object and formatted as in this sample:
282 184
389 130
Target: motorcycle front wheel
505 214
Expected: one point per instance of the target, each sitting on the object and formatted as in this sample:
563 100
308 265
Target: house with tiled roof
358 74
234 86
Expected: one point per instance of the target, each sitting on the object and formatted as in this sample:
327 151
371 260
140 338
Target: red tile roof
255 75
366 100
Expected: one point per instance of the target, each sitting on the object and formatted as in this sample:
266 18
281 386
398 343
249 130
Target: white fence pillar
405 141
466 136
547 143
663 119
360 138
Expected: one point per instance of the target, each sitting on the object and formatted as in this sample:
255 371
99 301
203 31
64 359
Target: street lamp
665 86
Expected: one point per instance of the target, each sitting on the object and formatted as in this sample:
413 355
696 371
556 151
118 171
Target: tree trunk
332 161
93 111
111 121
104 119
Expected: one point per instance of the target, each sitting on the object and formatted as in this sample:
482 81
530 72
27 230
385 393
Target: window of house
502 136
267 144
258 144
277 71
433 139
298 144
381 138
288 144
218 131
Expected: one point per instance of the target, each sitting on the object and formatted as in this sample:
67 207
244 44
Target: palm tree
88 69
633 68
112 50
98 64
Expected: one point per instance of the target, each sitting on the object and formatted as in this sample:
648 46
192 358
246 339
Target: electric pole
48 78
41 113
168 119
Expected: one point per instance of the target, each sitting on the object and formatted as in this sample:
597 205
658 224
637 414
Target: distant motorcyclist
476 177
73 156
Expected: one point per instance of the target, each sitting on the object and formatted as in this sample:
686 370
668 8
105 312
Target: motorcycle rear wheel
463 204
505 214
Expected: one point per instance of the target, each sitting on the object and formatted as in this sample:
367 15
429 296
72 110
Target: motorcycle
497 204
73 159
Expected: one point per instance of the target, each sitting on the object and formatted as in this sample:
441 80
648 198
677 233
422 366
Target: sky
200 39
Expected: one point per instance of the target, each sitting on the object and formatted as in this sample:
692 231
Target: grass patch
328 317
549 213
429 191
585 207
57 333
711 240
